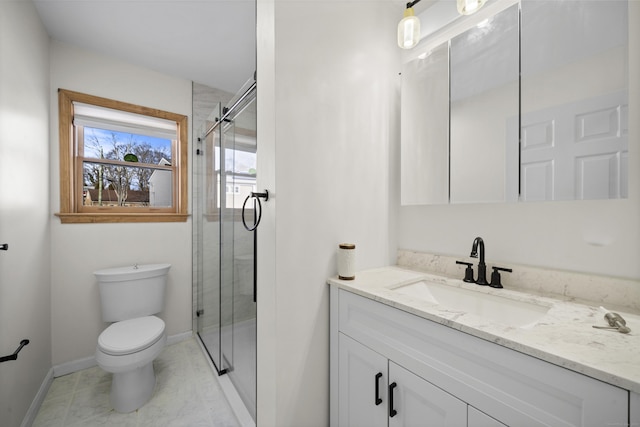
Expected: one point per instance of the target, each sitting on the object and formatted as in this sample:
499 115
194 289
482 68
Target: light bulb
467 7
408 30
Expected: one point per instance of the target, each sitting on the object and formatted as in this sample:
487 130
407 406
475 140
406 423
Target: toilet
130 297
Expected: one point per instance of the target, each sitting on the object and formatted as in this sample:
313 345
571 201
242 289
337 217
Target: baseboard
32 412
90 362
74 366
183 336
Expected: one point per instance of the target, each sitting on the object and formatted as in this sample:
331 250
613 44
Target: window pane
126 186
109 144
240 177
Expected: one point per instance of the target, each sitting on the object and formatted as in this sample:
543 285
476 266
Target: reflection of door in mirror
484 100
574 100
425 129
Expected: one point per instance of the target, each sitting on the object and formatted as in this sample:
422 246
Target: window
120 162
234 171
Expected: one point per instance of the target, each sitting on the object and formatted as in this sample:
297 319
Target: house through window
120 162
240 174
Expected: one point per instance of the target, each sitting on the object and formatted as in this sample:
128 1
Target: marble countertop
563 336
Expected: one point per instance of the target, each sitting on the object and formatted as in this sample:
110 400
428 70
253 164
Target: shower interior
224 168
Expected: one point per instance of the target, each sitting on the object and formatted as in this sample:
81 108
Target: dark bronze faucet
482 267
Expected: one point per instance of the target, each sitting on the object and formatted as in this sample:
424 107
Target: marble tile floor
187 393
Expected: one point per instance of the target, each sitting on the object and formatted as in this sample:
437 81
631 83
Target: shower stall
224 206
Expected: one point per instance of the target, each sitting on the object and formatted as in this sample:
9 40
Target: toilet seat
131 336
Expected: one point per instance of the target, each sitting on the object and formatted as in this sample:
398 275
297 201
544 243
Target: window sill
95 218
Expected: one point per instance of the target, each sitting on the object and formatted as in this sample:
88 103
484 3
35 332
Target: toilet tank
133 291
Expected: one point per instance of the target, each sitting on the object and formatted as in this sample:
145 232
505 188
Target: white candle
346 261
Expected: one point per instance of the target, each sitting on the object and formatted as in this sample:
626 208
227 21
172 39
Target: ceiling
211 42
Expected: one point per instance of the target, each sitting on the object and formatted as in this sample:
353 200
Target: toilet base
132 389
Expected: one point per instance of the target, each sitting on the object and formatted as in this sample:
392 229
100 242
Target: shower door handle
257 209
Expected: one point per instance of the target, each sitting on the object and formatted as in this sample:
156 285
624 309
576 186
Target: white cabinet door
361 369
634 409
414 401
480 419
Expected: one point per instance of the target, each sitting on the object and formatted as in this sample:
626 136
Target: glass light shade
467 7
408 30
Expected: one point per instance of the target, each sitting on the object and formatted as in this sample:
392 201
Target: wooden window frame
71 176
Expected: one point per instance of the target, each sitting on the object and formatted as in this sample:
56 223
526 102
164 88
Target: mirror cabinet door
425 129
574 93
484 109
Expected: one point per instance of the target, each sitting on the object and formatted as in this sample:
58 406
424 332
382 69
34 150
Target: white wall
24 207
601 237
328 125
80 249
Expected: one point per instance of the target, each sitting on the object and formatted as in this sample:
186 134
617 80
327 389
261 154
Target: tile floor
187 393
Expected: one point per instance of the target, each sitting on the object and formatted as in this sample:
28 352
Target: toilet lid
129 336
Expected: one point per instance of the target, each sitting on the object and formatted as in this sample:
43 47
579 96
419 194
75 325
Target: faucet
482 267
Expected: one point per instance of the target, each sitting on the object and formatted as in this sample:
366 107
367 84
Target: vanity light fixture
409 28
467 7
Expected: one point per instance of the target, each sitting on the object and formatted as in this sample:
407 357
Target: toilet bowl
127 348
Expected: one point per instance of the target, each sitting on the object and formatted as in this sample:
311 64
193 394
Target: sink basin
506 311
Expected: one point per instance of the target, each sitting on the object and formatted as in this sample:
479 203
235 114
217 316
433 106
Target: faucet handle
468 272
495 276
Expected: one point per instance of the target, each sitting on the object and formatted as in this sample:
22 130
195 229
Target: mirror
538 108
574 100
484 100
424 155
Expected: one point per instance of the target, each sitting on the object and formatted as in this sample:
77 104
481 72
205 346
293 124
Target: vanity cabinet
441 372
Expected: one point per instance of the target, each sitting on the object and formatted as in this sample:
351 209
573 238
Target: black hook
14 356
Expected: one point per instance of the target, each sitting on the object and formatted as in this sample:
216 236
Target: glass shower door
207 167
238 308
